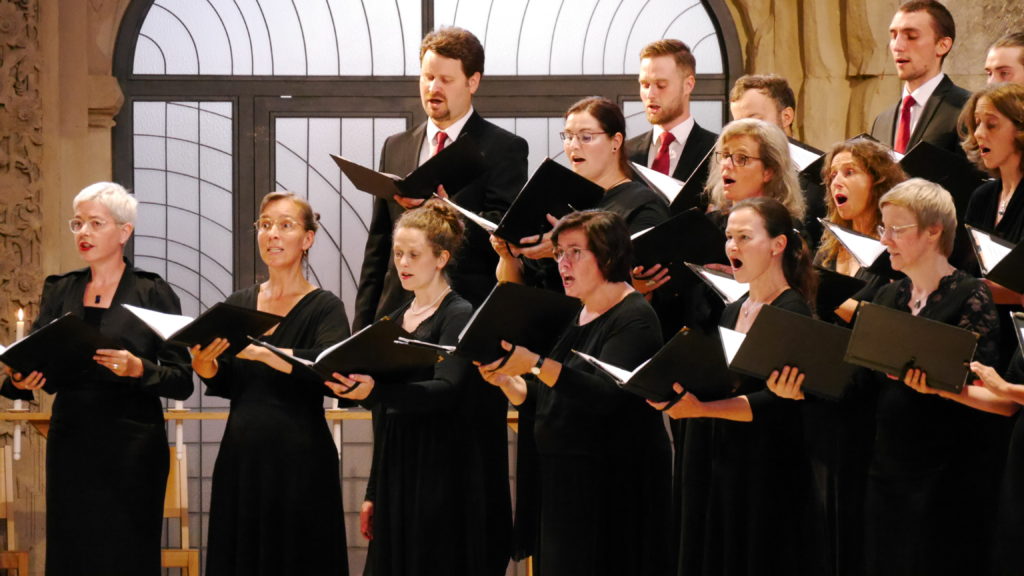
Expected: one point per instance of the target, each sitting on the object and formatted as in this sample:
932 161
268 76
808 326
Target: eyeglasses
582 137
736 158
571 254
894 232
283 224
77 224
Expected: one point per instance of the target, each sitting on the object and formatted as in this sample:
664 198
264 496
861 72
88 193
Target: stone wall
835 55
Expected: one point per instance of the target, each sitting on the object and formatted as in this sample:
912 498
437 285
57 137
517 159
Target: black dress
746 486
929 491
594 461
439 481
275 503
1009 531
839 438
106 455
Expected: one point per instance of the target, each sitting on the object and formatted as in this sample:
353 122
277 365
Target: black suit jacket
380 291
938 119
697 145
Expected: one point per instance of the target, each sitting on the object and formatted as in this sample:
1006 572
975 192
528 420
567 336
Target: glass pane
582 37
337 255
280 38
183 181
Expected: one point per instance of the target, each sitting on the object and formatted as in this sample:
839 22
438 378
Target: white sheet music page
731 342
162 323
990 252
663 184
866 250
620 375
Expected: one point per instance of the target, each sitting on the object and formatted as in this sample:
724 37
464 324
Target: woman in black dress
992 128
838 434
602 481
927 507
438 496
106 456
857 172
275 504
593 140
747 500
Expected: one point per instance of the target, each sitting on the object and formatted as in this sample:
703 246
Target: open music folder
371 351
522 315
833 290
724 285
691 357
1001 262
553 189
221 320
1017 320
781 338
62 348
686 237
454 167
808 159
894 341
868 251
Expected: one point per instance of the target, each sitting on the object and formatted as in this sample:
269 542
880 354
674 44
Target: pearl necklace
430 306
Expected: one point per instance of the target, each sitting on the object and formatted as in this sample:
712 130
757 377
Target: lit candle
19 335
20 326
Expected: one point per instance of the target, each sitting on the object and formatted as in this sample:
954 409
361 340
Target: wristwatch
536 367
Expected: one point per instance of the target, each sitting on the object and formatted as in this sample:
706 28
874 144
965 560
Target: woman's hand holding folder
788 383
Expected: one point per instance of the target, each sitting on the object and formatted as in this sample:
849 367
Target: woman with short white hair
107 449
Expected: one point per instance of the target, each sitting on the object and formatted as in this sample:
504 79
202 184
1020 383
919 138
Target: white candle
20 326
17 441
19 335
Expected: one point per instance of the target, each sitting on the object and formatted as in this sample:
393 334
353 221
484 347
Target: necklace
1002 206
752 304
428 306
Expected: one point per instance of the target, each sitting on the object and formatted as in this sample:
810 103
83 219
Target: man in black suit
920 36
769 97
451 67
667 77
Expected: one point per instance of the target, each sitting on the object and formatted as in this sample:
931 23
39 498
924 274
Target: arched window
226 100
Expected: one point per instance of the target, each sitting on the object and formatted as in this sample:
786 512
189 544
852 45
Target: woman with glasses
593 141
275 504
752 161
926 505
106 454
746 482
438 496
594 463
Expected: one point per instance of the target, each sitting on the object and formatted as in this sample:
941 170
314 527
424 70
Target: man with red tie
677 144
920 36
451 68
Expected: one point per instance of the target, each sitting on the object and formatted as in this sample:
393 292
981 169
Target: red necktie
441 137
661 160
903 131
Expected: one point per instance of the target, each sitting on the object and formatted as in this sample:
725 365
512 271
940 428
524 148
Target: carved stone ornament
21 122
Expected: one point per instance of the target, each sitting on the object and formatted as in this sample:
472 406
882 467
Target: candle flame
21 315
